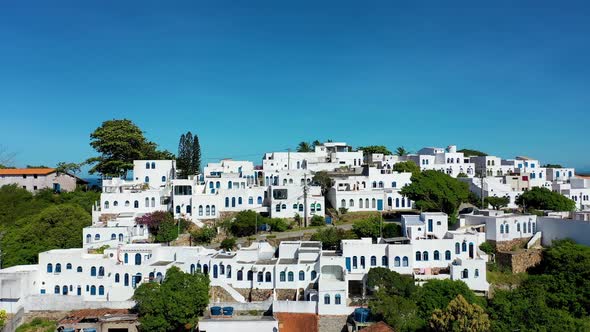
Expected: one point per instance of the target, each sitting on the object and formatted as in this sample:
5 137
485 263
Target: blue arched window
117 278
153 165
79 269
147 179
373 261
457 248
327 299
290 276
268 276
448 255
212 210
58 268
92 290
113 236
405 261
337 299
464 246
384 261
138 259
200 210
56 289
101 290
363 262
354 262
163 178
239 200
126 279
240 275
282 276
394 184
314 274
101 271
259 200
396 261
518 227
215 271
397 202
136 204
374 184
69 266
93 271
147 165
507 228
217 184
227 202
49 268
425 255
501 229
250 200
436 255
233 202
301 275
418 256
177 208
97 237
189 209
229 185
126 258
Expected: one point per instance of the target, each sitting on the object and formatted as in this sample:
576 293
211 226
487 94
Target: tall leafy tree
370 149
174 305
460 316
119 143
401 151
196 156
304 147
437 191
545 199
407 166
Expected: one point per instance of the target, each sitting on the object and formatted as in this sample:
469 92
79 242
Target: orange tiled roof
292 322
26 171
379 327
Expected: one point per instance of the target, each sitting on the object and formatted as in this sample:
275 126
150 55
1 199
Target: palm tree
315 143
401 151
304 147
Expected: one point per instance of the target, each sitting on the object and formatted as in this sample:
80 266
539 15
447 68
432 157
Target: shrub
487 247
228 243
317 221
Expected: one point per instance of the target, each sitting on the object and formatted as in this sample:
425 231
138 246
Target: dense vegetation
38 325
472 153
407 166
162 226
246 223
33 223
173 305
555 298
188 161
544 199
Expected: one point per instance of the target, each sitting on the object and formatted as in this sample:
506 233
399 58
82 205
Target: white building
34 179
446 160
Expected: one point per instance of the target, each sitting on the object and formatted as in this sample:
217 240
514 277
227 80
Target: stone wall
520 261
218 294
510 245
286 294
333 323
255 295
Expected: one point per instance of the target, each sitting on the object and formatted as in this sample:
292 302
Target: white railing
306 307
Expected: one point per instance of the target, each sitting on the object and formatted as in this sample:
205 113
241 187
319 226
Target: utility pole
381 224
288 158
481 176
305 199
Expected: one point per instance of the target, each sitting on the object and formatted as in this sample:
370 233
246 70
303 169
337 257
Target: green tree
487 247
407 166
367 228
54 227
399 312
167 231
436 294
119 143
317 221
228 243
541 198
371 149
497 202
401 151
390 282
174 305
460 316
204 235
323 180
67 168
245 222
189 155
436 191
391 230
472 153
154 220
304 147
3 318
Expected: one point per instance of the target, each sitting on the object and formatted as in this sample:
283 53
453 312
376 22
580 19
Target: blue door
430 225
379 205
56 187
348 264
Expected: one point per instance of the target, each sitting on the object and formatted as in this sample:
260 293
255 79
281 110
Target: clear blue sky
249 76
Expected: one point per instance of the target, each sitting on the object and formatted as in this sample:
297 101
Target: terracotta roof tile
379 327
26 171
289 322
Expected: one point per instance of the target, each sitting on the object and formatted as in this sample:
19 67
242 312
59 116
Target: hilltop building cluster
295 276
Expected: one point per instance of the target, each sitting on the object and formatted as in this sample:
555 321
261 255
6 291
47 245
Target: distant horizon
504 78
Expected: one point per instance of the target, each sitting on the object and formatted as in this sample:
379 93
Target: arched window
56 289
327 299
250 200
373 203
366 203
106 204
250 275
126 279
457 248
448 255
465 274
396 261
113 236
507 228
221 269
530 229
268 276
92 290
199 268
314 274
117 278
301 275
373 261
380 184
343 203
397 202
464 246
389 201
374 184
260 276
418 256
147 179
177 208
153 202
126 258
300 207
101 290
240 275
384 261
518 227
233 202
138 259
425 255
354 262
147 202
115 203
212 210
153 165
79 269
394 184
363 262
360 203
436 255
239 200
163 178
101 271
97 237
58 268
337 299
88 238
476 273
64 290
229 185
228 269
69 266
215 271
147 165
290 276
405 261
207 210
282 276
227 202
351 203
259 200
136 204
93 271
200 210
501 229
49 268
